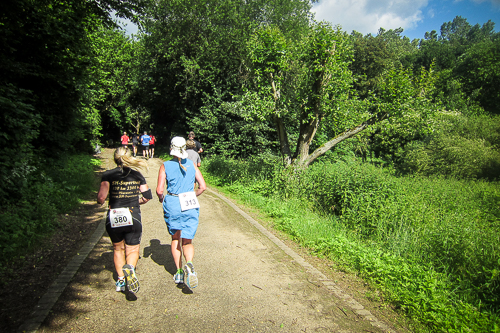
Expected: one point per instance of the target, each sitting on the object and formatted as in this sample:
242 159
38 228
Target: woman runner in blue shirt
180 207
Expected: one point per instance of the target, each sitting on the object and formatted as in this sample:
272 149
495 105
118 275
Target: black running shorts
131 234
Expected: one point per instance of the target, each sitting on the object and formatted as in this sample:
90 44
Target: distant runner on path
123 221
135 142
198 149
192 154
124 139
152 143
181 207
145 144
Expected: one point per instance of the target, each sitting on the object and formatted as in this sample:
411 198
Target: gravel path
249 281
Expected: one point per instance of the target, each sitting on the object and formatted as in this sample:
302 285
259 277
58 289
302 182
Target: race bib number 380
120 217
188 200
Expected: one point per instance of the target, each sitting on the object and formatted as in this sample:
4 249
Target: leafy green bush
462 147
43 192
255 173
226 129
485 127
453 156
451 95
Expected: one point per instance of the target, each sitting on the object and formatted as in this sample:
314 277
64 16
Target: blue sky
414 16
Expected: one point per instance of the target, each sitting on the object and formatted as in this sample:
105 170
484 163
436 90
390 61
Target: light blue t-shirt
145 140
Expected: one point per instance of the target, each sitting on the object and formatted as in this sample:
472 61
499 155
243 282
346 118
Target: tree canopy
247 76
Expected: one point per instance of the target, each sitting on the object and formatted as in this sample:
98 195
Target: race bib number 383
188 200
120 217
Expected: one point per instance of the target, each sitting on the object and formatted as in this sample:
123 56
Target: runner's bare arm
201 182
103 193
160 187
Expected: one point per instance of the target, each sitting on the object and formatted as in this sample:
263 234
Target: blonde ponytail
123 158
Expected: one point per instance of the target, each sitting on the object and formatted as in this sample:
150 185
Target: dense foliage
194 62
429 243
261 77
47 104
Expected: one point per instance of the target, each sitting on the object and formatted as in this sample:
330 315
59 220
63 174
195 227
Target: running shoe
120 285
179 277
191 278
132 281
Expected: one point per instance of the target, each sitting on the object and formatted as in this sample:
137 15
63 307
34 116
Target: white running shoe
191 278
120 285
179 277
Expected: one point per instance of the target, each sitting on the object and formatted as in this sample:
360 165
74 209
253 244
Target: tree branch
280 126
346 135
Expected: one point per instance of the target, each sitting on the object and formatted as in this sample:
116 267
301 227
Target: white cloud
431 13
367 16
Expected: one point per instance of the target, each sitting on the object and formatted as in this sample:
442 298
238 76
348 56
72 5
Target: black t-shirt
198 145
123 187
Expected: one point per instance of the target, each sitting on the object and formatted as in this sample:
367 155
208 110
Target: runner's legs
188 249
176 250
119 256
132 254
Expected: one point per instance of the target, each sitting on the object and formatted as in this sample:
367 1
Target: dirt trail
248 282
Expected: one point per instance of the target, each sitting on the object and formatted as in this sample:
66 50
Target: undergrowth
43 192
431 244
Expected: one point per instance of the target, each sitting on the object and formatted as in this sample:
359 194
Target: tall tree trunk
307 131
280 126
138 124
309 123
283 139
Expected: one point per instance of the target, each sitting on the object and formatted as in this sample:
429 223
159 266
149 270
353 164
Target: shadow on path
160 254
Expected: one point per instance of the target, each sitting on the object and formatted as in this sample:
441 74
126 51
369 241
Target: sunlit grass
431 244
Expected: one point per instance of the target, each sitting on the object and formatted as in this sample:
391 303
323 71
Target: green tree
308 85
194 53
479 72
299 83
456 88
45 52
456 31
44 55
404 100
110 83
400 46
480 34
455 39
374 55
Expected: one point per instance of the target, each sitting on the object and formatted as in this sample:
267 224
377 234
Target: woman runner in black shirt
123 223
